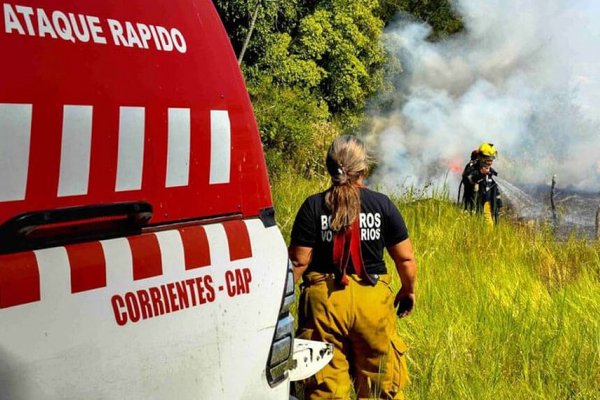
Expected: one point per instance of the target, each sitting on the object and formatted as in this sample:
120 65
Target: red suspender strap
341 252
355 250
346 245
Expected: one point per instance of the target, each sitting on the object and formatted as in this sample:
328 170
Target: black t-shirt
381 225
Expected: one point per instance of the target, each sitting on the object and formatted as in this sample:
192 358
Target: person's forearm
404 259
300 258
407 270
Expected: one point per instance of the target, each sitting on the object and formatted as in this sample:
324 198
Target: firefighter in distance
480 190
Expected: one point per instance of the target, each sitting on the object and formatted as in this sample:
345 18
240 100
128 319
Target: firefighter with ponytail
337 248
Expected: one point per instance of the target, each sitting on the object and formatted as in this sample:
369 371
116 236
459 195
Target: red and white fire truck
139 255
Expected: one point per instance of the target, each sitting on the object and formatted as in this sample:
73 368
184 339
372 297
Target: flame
455 166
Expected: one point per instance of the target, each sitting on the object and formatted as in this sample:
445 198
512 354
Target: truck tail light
280 356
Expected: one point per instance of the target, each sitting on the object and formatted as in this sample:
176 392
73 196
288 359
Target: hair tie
341 170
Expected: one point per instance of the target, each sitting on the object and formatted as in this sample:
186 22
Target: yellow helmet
487 151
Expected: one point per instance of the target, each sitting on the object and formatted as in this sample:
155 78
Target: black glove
404 304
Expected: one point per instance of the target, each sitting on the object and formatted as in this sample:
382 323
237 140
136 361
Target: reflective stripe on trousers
487 213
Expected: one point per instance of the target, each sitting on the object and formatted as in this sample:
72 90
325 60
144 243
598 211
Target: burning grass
507 312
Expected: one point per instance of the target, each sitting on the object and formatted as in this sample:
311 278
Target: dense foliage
311 66
439 14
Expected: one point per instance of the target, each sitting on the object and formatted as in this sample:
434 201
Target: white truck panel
69 345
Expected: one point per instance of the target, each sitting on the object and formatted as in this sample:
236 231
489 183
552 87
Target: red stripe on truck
195 247
238 239
145 252
88 266
19 279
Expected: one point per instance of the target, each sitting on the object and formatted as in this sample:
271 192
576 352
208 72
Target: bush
294 128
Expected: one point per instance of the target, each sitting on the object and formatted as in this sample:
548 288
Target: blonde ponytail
346 163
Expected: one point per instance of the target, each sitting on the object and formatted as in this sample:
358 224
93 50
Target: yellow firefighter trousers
360 321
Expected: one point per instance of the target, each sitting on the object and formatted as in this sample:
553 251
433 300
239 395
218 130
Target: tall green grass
503 312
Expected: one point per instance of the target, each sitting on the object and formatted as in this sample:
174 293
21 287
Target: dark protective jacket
380 222
479 188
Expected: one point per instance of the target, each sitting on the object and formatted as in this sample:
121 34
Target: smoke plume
523 75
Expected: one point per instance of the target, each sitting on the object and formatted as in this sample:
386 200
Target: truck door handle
105 220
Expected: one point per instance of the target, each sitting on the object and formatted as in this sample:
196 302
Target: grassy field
502 313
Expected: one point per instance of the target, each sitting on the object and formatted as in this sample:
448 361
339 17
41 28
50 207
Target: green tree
311 66
333 50
307 64
289 119
439 14
272 16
